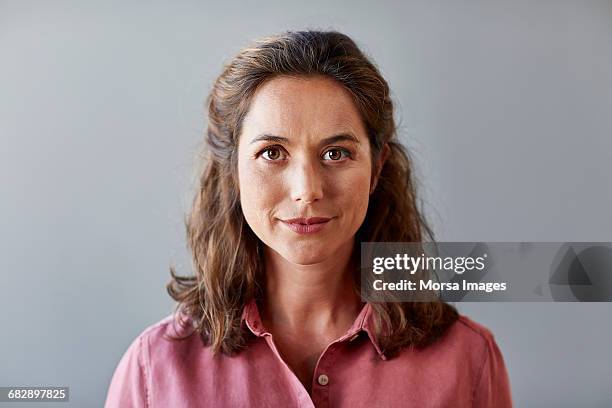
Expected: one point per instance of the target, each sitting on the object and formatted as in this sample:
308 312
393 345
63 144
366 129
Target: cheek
355 193
259 194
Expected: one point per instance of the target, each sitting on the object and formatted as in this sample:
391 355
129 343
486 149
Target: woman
303 165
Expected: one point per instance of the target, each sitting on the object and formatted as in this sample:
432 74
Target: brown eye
336 154
272 153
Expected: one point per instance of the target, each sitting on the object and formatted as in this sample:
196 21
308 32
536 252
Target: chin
307 254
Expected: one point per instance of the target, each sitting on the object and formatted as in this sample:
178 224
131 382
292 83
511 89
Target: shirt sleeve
128 386
493 386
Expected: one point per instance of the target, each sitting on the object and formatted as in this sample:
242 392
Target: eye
272 153
336 154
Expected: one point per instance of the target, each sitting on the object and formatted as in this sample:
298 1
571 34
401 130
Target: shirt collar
363 322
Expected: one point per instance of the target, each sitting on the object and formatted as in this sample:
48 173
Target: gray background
506 106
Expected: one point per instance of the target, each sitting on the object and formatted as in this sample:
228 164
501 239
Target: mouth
305 226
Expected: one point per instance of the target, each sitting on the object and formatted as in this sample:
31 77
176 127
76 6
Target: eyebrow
342 137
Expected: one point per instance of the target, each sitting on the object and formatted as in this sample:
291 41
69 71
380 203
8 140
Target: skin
309 297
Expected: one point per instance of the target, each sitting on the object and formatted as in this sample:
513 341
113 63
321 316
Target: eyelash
347 153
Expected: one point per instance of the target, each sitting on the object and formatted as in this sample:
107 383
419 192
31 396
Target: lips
306 225
308 221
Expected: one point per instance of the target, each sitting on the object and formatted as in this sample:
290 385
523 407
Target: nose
306 183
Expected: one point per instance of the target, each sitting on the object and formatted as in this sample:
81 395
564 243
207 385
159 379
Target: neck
317 298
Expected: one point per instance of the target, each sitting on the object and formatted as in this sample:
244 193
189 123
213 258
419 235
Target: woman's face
304 168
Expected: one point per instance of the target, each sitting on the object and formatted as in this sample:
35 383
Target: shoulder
169 326
166 338
491 381
473 338
466 345
162 343
467 333
472 330
154 348
163 334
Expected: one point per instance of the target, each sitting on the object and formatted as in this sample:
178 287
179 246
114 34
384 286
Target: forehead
306 106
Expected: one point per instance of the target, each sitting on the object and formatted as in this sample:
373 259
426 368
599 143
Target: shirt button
323 379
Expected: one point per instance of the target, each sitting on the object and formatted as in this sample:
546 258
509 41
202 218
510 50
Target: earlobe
386 151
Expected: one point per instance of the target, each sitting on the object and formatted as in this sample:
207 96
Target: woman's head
304 168
299 125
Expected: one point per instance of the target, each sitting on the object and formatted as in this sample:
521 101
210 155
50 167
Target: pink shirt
465 368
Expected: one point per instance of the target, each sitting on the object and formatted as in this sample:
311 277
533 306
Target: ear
386 151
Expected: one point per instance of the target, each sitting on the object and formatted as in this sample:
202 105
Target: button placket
320 391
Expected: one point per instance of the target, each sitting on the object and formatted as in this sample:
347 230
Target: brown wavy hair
227 255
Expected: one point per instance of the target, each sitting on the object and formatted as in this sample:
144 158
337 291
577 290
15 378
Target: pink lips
306 225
